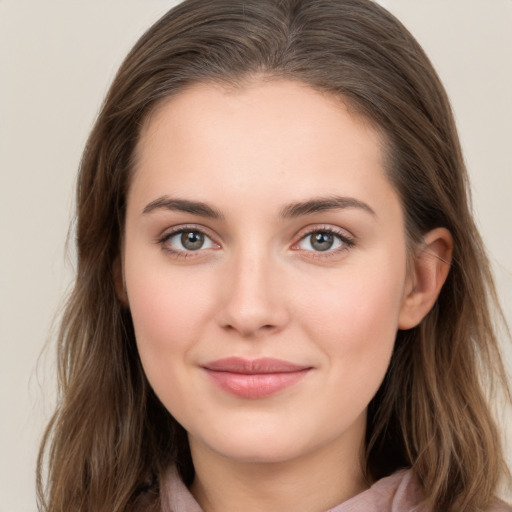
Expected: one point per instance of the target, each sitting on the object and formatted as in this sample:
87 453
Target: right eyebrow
183 205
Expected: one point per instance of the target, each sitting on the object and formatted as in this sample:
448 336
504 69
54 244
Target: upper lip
254 366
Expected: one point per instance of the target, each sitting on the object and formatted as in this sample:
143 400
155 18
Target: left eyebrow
321 204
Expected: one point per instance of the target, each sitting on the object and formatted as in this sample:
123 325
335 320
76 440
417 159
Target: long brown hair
110 439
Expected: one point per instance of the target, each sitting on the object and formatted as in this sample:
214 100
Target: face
264 265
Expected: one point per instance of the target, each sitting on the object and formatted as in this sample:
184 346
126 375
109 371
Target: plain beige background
56 61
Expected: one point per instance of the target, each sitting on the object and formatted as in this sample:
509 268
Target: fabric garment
399 492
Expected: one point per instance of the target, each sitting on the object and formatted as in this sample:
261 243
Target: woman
282 302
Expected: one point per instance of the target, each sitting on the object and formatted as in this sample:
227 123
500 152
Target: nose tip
250 315
253 303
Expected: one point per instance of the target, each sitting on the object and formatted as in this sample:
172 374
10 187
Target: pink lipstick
254 378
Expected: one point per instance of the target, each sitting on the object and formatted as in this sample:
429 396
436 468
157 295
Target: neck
313 482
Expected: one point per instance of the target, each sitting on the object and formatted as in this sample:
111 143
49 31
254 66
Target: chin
258 449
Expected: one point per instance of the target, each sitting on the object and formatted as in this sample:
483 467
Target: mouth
254 378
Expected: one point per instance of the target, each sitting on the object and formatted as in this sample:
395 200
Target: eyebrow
321 204
183 205
292 210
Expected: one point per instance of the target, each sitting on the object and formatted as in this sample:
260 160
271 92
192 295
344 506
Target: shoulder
499 506
399 492
406 493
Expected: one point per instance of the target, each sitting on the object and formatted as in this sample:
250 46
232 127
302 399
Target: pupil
322 241
192 240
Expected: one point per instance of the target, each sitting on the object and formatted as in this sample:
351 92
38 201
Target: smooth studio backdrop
57 59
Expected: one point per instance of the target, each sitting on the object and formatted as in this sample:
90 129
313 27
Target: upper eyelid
308 230
170 231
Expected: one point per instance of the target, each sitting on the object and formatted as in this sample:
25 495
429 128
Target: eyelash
347 242
182 229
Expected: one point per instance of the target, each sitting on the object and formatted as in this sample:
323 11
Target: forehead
288 102
256 138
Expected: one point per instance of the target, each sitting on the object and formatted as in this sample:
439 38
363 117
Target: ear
427 275
119 285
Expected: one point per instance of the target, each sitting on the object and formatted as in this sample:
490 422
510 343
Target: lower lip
258 385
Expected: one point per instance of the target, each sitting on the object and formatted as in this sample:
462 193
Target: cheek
355 315
169 310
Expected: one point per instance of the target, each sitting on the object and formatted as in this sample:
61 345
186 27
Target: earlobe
428 273
119 285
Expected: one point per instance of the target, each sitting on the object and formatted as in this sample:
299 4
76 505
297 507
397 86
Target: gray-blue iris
322 241
192 240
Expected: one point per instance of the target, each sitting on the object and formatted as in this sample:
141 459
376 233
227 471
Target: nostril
250 331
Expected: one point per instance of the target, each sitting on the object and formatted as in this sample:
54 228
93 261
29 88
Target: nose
253 297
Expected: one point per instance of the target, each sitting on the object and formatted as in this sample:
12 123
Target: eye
324 240
187 240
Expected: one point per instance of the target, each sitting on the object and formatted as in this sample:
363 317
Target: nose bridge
252 299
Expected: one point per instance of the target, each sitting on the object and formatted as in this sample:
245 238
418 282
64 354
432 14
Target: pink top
399 492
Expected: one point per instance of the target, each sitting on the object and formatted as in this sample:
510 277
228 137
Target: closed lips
254 366
256 378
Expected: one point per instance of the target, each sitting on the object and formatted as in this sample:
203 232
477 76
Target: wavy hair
110 438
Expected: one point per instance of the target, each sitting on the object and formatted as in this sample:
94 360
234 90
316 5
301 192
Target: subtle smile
255 378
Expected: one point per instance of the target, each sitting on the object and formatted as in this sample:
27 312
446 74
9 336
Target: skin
258 288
